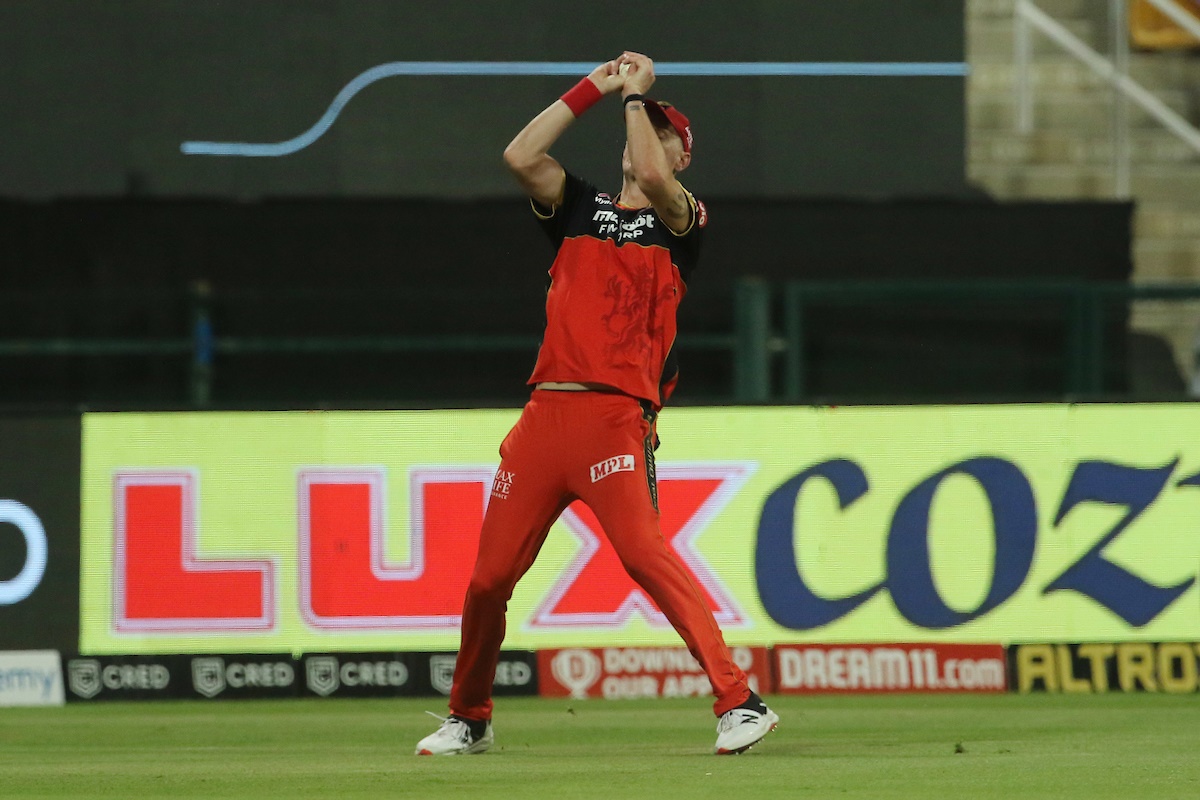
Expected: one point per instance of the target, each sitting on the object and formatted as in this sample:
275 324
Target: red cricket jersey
615 284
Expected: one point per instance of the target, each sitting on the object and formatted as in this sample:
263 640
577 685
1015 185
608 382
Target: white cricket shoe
741 728
454 738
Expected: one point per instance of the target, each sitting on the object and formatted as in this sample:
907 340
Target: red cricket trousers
595 447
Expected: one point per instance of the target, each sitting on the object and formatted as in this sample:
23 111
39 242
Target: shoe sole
738 751
467 752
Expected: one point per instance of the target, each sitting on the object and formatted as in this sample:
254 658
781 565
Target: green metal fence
771 328
1086 305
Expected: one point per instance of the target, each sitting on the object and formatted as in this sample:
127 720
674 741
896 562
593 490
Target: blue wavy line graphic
565 68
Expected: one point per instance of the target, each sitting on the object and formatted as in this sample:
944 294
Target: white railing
1116 72
1178 15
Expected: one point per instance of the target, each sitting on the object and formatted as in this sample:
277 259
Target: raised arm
655 154
527 155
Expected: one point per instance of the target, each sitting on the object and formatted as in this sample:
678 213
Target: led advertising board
356 531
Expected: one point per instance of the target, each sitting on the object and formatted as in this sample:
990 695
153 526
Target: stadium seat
1151 29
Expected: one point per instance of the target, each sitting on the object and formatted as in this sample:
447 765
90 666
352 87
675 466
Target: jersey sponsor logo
701 214
609 466
502 484
635 228
610 223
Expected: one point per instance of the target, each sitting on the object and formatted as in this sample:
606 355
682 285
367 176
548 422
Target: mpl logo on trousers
609 466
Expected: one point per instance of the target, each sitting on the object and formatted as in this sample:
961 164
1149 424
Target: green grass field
1007 746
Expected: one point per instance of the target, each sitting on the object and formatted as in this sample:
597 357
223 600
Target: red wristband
582 96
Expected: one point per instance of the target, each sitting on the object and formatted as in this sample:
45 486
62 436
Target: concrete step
1165 184
988 9
1168 221
1086 112
1166 259
1167 241
1146 146
992 39
1155 72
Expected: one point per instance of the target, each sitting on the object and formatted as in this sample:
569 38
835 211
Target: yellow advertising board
311 531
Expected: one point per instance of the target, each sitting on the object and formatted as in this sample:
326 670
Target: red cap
663 115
